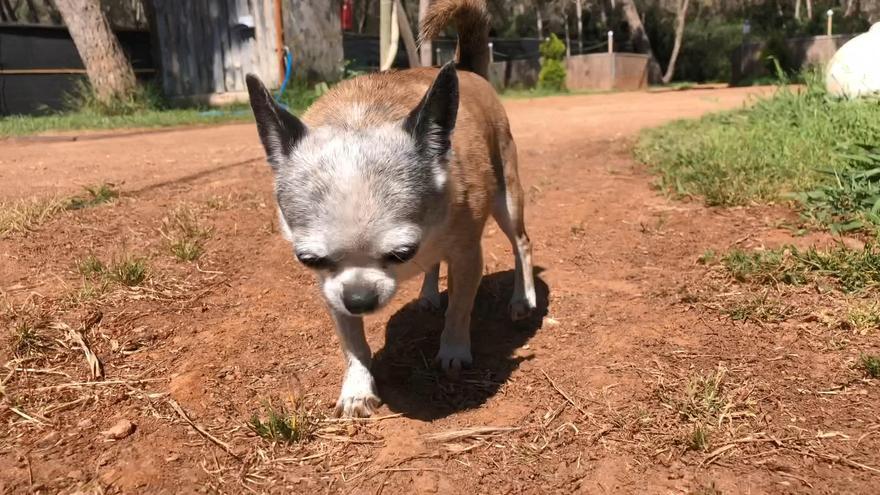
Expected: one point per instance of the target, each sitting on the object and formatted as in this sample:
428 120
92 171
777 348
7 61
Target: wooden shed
204 48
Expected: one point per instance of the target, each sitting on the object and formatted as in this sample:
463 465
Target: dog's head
358 202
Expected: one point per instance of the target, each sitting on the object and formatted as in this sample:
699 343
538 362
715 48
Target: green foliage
552 75
850 199
552 48
852 270
96 195
762 153
871 365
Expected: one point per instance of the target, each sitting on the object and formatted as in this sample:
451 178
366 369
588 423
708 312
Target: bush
552 75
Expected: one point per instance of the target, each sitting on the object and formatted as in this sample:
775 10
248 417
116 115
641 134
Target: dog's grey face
358 203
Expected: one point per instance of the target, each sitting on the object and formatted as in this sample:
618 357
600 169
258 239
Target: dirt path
601 395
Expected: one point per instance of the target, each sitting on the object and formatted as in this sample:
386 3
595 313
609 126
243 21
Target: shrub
552 75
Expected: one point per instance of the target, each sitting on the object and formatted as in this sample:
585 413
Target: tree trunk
365 14
580 12
425 47
110 73
809 9
852 6
797 10
312 31
680 17
640 41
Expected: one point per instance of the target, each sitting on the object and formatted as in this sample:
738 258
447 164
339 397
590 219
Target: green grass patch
777 146
144 111
852 270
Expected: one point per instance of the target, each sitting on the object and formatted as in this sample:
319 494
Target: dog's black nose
359 300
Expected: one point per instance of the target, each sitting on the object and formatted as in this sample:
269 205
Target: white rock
854 70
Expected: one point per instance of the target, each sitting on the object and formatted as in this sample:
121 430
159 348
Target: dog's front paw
451 358
358 398
356 407
521 309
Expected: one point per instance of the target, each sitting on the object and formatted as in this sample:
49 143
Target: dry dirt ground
632 379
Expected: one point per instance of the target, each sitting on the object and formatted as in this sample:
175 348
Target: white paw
521 308
430 302
358 398
451 358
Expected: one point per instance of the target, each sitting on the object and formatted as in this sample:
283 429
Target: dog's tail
471 19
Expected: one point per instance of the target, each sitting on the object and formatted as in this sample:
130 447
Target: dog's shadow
410 383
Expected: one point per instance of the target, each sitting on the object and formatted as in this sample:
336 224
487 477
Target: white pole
830 15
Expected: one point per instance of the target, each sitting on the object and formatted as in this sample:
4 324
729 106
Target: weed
863 318
708 257
870 364
97 195
88 291
699 438
27 340
128 271
184 233
292 424
764 266
91 266
704 397
758 308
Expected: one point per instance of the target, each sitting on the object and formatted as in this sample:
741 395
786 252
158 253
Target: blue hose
288 67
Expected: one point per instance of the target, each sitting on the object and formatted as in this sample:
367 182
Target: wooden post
409 41
425 47
279 41
830 15
384 29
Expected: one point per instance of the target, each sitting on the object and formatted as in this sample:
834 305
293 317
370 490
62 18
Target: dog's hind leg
508 211
465 269
429 297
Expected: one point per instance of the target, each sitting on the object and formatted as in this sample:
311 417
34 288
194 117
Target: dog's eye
401 254
314 262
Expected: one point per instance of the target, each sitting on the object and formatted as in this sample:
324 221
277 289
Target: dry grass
25 215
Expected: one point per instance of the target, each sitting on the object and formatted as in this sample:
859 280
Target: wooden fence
206 47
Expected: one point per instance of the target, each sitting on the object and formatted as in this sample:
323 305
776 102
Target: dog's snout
359 300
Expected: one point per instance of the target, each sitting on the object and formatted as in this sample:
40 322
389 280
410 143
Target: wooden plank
223 27
218 79
247 45
190 83
233 63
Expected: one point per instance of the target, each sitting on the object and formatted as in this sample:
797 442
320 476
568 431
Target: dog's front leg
358 397
465 269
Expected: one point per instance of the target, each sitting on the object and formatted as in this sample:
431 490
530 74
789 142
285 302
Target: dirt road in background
631 380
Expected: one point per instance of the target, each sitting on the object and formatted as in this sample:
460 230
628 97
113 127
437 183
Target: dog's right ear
279 130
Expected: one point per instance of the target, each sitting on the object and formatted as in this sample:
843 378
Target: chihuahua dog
389 174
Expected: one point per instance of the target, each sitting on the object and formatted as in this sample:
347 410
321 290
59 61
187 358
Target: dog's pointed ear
431 123
279 130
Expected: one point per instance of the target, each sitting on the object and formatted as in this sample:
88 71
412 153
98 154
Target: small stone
86 424
48 440
172 458
120 430
553 322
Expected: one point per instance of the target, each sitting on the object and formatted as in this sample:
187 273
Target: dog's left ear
279 130
432 121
